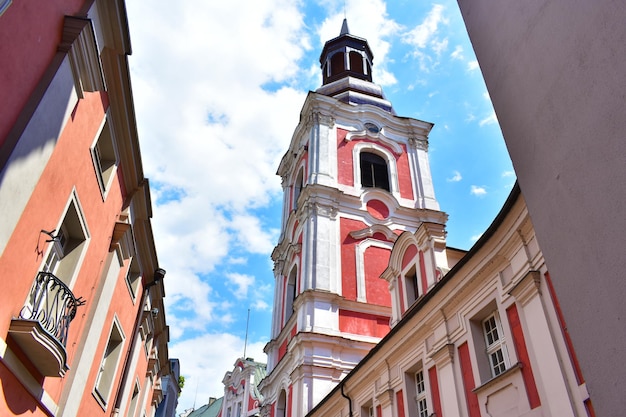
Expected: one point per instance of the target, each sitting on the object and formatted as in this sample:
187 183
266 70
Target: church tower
355 177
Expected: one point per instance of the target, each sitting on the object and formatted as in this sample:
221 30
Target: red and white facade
355 177
488 339
241 394
82 325
373 314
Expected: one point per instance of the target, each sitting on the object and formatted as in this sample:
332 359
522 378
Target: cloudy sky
218 87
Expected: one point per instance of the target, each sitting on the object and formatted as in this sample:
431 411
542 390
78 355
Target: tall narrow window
356 62
337 64
109 364
412 286
420 394
494 342
374 172
104 157
134 400
290 293
297 188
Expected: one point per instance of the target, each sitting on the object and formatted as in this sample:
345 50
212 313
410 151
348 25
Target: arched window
281 404
297 188
337 64
411 285
356 62
290 293
374 172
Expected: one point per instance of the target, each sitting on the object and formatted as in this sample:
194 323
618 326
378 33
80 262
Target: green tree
181 384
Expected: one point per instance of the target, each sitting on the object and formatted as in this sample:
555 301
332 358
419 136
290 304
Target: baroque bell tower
354 178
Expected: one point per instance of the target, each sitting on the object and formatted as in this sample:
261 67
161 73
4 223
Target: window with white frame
239 409
290 293
133 278
420 394
104 157
297 187
495 347
134 399
412 286
374 171
109 364
67 245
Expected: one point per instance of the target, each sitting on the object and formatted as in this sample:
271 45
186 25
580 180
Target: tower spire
344 27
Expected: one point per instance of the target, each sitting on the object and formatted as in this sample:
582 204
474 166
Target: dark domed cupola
346 63
346 55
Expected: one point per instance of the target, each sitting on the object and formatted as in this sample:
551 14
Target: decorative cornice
419 142
316 117
527 287
444 355
376 137
370 231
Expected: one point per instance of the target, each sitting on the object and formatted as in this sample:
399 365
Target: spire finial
344 27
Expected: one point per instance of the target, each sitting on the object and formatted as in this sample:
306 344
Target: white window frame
495 346
109 364
104 156
421 402
392 169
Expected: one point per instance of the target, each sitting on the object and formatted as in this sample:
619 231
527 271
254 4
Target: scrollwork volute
419 142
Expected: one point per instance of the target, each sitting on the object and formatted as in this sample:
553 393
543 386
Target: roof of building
208 410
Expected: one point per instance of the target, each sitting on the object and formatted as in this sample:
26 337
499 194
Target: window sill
509 371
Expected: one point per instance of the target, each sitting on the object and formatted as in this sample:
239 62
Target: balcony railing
52 304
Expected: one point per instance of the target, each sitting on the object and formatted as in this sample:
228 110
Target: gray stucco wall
556 72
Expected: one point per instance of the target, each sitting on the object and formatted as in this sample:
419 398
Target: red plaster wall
348 257
377 289
345 169
400 402
362 323
404 175
522 355
14 398
409 256
30 32
468 381
434 389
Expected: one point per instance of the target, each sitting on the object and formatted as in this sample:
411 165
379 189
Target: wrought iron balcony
42 327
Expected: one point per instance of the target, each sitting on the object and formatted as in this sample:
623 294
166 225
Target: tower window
356 62
374 172
290 293
337 64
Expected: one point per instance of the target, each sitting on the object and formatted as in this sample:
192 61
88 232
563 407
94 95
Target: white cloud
204 361
241 282
506 174
472 65
457 53
456 177
424 33
426 41
489 120
478 190
474 238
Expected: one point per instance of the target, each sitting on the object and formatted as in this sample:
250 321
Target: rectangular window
420 397
104 157
133 278
134 400
494 342
109 365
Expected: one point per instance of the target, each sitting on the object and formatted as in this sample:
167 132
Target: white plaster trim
377 137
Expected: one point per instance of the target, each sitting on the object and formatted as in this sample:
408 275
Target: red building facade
82 326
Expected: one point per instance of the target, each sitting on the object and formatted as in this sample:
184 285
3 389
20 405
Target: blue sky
218 87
